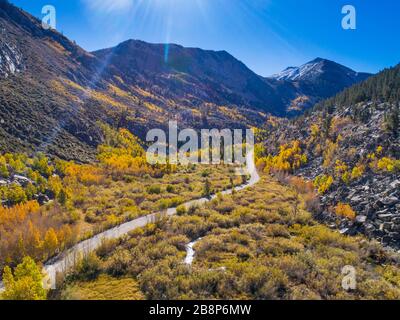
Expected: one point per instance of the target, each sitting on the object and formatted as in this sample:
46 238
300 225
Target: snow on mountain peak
311 68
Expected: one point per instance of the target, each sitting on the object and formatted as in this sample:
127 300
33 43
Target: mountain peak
320 68
316 60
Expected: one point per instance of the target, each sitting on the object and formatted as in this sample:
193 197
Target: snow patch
310 69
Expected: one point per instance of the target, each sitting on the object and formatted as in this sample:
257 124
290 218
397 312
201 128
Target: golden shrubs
345 210
122 153
25 283
388 164
290 158
383 164
357 172
85 174
329 153
27 230
17 214
323 183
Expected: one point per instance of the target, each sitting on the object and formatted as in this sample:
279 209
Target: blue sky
267 35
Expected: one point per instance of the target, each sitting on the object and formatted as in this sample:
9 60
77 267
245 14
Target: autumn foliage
345 210
26 229
289 158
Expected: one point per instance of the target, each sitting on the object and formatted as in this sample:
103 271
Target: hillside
350 148
33 112
190 75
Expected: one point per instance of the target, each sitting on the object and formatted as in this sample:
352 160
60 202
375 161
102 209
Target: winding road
68 259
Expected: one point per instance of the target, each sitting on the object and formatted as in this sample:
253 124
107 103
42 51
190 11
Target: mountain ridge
55 92
317 80
304 72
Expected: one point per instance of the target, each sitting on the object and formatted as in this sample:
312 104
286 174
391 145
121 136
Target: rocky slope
32 112
190 74
354 139
10 57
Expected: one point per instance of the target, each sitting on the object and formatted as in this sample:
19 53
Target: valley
260 243
80 198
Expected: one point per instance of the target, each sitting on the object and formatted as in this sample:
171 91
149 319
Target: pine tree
62 197
207 188
392 121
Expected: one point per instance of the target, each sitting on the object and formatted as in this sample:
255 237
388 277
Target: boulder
22 180
386 217
390 201
395 184
361 219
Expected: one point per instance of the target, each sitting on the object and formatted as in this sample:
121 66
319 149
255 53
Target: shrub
16 194
181 210
119 263
345 210
301 186
312 203
329 153
323 183
106 248
169 203
41 164
88 268
207 188
290 158
25 283
389 164
357 172
205 173
3 168
154 189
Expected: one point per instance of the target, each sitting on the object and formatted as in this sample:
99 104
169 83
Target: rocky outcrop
375 196
10 57
23 181
376 199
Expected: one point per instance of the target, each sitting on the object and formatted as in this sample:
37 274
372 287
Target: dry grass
104 288
254 246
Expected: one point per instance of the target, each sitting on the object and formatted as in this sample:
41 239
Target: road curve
65 261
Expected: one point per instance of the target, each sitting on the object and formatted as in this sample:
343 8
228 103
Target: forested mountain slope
349 146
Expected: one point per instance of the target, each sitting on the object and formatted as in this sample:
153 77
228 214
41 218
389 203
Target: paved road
68 259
